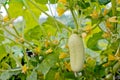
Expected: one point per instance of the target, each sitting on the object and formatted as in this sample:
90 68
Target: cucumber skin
76 49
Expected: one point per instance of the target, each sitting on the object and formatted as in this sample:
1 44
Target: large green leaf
47 63
92 42
29 12
15 8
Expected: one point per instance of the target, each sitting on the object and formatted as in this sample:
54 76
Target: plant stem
11 70
96 25
12 40
9 32
15 35
113 7
75 20
114 14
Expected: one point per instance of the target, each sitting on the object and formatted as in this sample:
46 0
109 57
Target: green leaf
100 69
34 34
54 24
83 5
103 2
15 8
29 12
47 63
2 52
69 75
33 76
49 29
92 42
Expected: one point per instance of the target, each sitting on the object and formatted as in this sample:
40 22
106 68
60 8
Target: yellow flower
55 42
106 64
49 34
24 69
60 11
105 12
111 57
37 50
57 76
88 28
94 15
6 18
47 43
106 35
62 1
49 51
67 66
108 24
21 40
113 19
62 55
118 2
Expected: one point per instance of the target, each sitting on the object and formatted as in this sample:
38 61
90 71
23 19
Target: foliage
34 50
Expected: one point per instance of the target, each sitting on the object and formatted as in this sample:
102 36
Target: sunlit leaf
42 1
15 8
2 52
29 12
92 43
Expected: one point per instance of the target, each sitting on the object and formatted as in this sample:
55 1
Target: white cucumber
76 49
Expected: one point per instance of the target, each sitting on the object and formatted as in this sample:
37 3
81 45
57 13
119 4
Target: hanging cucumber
77 52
